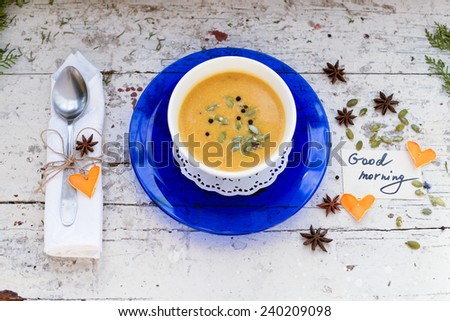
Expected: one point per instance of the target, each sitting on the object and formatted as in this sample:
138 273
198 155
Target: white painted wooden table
150 256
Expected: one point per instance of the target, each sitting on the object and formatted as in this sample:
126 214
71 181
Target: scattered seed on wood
403 113
417 183
419 192
352 102
359 145
386 140
416 128
436 200
349 134
375 143
404 121
413 245
375 127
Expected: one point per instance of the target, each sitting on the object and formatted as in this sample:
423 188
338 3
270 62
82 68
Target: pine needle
438 67
8 57
441 38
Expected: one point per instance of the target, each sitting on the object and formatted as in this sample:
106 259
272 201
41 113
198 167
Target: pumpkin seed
229 101
403 113
404 121
253 129
373 137
247 137
362 112
238 124
375 143
399 127
416 128
413 245
248 148
235 147
397 139
237 139
419 192
359 145
352 103
260 138
417 183
212 107
426 211
222 120
386 140
436 200
399 221
250 112
349 134
375 127
222 137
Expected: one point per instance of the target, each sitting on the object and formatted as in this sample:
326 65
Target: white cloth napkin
84 237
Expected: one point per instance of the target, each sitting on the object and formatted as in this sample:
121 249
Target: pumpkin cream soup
232 121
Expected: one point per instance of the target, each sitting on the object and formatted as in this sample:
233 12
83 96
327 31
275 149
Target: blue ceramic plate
151 156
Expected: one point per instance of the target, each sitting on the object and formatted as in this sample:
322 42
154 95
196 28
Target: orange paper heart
86 184
357 207
420 157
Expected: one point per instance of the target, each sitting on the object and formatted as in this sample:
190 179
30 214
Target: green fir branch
441 38
438 67
4 22
8 57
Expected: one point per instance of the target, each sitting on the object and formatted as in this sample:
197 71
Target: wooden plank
148 261
305 35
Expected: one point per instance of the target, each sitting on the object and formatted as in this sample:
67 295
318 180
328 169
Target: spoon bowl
69 95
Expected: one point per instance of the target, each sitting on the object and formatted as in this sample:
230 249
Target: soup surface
231 121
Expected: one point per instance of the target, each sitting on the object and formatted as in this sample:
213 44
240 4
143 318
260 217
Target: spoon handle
69 205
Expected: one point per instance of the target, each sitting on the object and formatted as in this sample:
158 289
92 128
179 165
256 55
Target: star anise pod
384 103
86 145
331 205
345 117
334 72
316 238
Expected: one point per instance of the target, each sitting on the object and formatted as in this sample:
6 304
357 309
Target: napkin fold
84 237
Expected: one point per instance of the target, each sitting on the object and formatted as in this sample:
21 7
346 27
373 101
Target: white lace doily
227 186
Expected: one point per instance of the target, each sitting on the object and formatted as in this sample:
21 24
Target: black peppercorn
238 117
245 106
210 120
242 110
238 98
250 122
207 133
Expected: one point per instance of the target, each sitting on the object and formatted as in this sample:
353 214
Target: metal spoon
69 99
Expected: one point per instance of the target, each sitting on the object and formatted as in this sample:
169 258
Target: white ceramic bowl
232 64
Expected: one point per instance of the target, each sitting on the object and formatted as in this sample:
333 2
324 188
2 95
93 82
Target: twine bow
53 168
